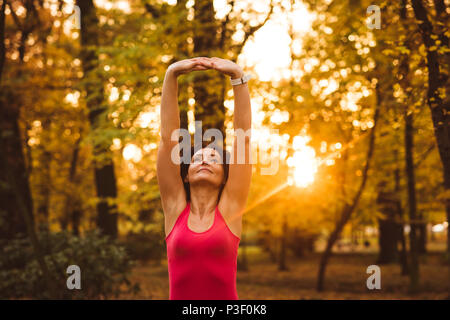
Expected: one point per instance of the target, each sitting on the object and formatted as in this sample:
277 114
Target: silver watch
241 80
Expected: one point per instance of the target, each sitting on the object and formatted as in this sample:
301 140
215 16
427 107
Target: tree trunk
76 217
71 211
348 209
408 115
13 173
13 222
412 203
209 107
283 250
388 227
401 226
438 84
42 212
105 180
422 233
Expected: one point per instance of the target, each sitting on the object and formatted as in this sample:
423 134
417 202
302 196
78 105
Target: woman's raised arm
168 170
235 192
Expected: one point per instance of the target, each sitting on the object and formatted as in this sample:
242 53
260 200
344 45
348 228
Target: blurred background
354 119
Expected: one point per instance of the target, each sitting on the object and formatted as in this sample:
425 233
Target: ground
345 279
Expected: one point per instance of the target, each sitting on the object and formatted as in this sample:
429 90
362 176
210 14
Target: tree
388 226
14 176
105 179
438 54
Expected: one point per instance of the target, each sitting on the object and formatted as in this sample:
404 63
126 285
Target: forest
350 103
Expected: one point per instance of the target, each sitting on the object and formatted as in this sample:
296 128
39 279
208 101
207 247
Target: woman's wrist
239 73
171 72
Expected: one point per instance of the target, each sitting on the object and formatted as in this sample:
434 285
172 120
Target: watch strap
242 80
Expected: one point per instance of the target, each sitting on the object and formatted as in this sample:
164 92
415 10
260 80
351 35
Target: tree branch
425 155
224 26
251 30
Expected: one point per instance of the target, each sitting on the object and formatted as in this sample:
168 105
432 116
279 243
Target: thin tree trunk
412 202
388 226
422 230
71 212
42 212
408 115
105 180
401 227
282 266
348 209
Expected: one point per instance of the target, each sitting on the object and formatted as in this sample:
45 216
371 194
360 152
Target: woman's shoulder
232 217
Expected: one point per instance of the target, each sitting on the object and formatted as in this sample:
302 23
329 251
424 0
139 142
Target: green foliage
104 267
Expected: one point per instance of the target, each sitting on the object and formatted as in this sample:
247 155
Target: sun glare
304 163
268 53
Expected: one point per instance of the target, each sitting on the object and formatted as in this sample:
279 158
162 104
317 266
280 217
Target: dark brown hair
184 167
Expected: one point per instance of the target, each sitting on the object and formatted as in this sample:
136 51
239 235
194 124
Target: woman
203 204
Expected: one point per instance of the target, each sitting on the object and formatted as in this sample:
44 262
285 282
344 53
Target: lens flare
303 163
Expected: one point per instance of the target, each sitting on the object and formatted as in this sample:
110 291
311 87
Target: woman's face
206 166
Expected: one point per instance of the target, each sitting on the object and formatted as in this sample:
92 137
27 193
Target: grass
345 278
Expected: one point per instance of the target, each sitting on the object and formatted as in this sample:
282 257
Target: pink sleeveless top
202 265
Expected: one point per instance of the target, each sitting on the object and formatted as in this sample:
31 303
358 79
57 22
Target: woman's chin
203 180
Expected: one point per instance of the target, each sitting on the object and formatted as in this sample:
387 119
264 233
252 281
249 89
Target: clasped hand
224 66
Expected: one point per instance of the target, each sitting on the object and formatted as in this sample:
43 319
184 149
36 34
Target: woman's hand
188 65
227 67
224 66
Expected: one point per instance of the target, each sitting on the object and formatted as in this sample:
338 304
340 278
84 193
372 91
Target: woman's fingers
200 67
204 63
199 63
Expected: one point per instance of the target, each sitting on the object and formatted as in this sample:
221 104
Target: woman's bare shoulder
232 214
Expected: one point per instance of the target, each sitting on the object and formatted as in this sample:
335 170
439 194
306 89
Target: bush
103 263
146 246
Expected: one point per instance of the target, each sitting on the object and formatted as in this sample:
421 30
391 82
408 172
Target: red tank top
202 265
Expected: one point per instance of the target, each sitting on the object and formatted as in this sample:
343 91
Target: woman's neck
203 200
